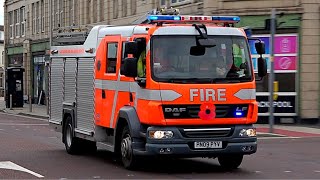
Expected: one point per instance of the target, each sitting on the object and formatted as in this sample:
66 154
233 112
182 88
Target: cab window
112 57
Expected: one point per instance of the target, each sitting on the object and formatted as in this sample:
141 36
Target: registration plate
208 144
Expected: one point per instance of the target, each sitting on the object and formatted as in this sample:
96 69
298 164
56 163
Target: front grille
191 111
206 132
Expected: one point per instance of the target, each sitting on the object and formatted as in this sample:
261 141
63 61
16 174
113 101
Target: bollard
11 101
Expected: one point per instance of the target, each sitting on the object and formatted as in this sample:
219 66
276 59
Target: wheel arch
67 113
127 117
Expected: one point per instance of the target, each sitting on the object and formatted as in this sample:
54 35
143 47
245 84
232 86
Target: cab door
108 79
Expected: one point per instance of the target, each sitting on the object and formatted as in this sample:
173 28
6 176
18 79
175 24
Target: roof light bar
216 19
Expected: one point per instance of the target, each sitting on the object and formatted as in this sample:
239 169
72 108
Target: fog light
248 133
160 134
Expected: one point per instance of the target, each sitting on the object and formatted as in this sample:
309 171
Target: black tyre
128 159
71 143
230 162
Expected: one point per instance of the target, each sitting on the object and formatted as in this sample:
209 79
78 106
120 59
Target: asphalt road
31 144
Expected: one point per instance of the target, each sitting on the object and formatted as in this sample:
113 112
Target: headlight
248 132
160 134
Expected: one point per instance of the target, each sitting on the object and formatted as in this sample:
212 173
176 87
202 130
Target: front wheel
230 162
129 160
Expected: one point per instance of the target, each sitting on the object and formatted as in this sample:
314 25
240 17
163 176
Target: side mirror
197 50
260 47
131 47
262 67
130 67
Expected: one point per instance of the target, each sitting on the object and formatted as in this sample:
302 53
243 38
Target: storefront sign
285 63
283 104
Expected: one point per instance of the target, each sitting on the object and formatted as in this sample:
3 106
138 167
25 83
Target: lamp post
271 73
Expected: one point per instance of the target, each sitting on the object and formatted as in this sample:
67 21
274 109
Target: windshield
227 61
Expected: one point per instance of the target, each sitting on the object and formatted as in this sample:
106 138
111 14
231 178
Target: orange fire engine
172 85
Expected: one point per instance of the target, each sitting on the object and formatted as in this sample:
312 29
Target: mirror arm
203 35
252 38
261 78
141 81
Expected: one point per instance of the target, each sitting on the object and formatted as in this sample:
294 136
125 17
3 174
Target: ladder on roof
163 11
70 35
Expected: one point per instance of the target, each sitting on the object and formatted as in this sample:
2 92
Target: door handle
103 94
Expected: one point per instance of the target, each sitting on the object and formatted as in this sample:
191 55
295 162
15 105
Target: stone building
1 61
28 24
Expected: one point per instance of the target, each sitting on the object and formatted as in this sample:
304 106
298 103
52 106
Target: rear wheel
129 160
230 162
76 145
71 143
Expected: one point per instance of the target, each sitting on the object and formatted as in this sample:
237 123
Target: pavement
263 130
38 111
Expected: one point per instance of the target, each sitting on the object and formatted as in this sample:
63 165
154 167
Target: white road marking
317 171
257 171
13 124
13 166
266 133
287 171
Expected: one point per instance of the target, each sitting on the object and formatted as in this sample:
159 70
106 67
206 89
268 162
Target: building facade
1 61
28 25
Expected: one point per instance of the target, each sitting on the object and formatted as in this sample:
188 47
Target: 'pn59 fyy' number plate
208 144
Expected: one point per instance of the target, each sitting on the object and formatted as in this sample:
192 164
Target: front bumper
183 146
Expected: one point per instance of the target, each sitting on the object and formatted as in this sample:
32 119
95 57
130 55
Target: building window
17 22
101 10
87 6
115 9
94 11
112 57
162 2
38 26
34 18
75 12
179 2
61 11
42 16
23 21
124 8
11 25
1 38
71 11
133 7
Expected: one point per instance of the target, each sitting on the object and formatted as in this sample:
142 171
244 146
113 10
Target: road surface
29 149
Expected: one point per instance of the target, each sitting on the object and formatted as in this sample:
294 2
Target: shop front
2 82
39 79
285 78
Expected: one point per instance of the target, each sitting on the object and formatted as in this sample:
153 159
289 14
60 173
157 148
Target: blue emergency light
185 18
163 18
239 114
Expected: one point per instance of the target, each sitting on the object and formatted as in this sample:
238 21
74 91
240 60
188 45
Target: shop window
112 49
286 82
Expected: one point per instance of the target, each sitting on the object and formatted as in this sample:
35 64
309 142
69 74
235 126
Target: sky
1 12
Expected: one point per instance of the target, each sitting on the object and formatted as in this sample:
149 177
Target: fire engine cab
195 96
